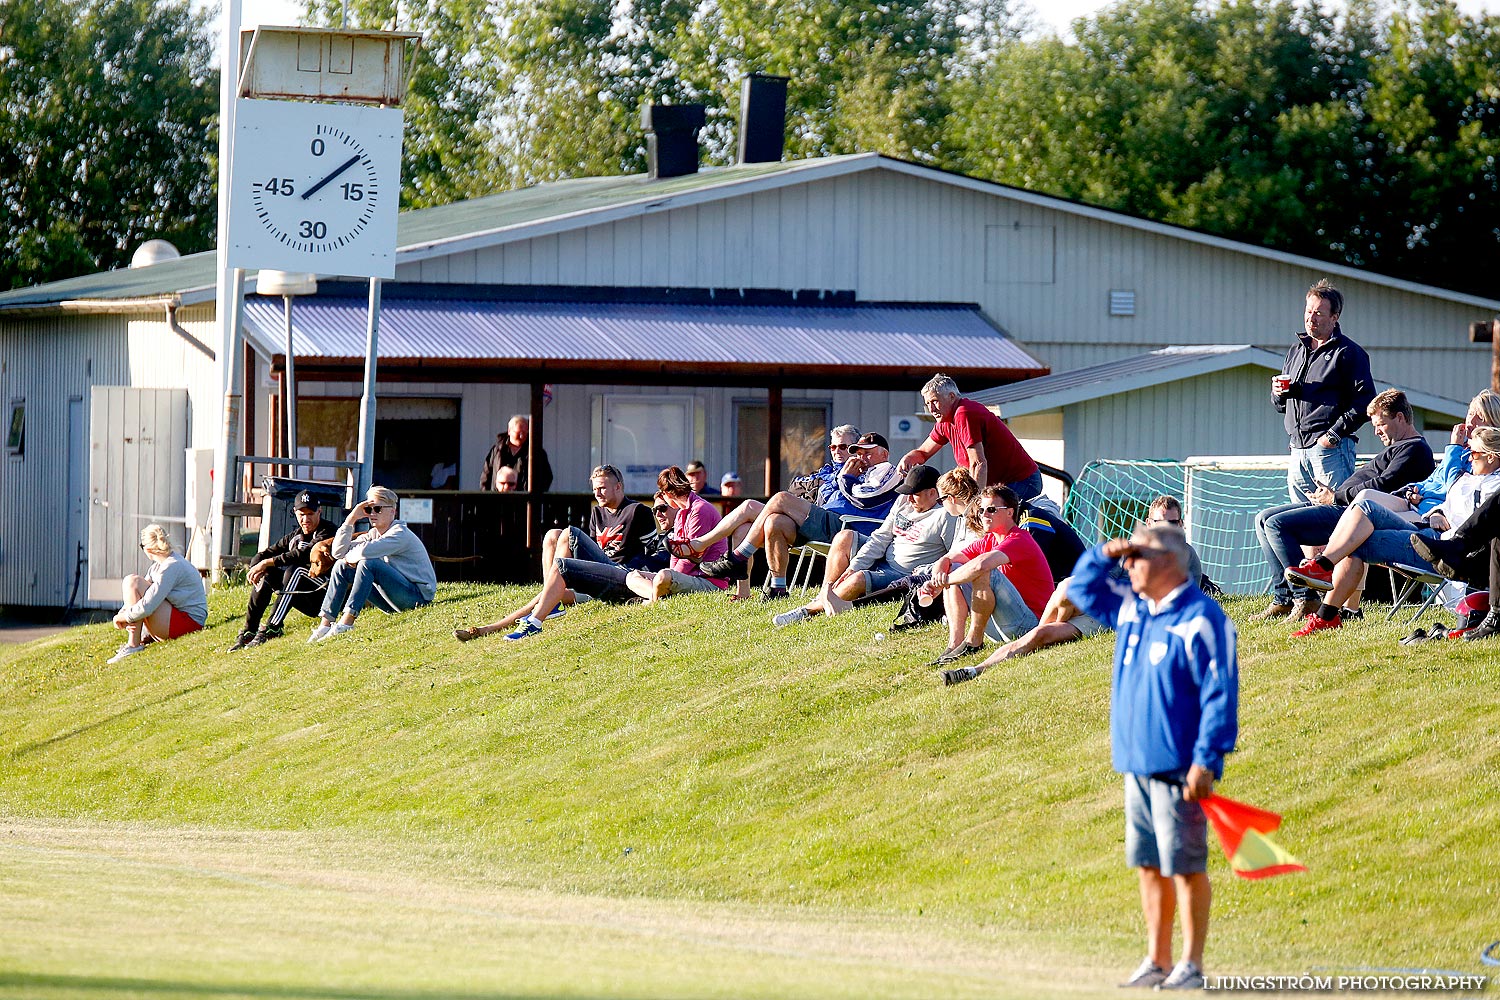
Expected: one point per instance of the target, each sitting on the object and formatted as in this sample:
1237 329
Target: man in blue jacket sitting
1173 716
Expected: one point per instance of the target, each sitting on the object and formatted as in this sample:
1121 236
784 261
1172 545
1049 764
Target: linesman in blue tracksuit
1173 716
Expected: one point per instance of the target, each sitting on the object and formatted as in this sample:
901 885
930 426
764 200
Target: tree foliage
1365 141
106 112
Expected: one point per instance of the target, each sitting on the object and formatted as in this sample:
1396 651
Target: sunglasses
840 447
992 511
660 509
376 508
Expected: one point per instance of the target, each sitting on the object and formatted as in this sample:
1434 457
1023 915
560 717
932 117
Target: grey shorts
821 525
682 583
1085 625
1162 829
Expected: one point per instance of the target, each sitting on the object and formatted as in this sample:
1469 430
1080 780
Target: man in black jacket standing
1282 530
512 450
285 567
1322 391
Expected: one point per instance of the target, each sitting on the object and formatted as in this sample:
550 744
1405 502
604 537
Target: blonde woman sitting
165 603
386 566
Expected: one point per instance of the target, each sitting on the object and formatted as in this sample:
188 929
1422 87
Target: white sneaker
1185 976
790 617
1147 975
339 629
124 651
319 632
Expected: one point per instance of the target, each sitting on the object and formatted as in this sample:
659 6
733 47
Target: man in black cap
866 491
916 533
285 567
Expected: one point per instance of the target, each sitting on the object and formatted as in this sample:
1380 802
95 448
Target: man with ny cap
284 568
866 489
916 533
1174 707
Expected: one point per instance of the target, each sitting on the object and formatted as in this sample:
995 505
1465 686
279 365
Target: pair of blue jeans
370 581
1282 531
1311 466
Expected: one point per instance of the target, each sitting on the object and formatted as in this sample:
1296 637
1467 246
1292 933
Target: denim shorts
1163 830
881 576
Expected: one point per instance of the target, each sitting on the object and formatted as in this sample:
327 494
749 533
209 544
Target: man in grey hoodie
915 533
386 566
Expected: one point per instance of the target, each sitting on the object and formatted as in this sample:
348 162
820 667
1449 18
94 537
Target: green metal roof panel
165 278
423 226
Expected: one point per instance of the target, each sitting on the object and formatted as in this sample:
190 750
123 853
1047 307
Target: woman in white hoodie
386 566
165 603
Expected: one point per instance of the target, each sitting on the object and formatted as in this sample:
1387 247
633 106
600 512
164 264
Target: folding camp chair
801 577
1413 580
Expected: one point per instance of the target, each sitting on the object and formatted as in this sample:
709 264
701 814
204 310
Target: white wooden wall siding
894 237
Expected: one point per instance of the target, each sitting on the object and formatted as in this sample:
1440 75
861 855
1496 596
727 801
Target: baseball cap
872 440
730 477
696 465
305 501
918 478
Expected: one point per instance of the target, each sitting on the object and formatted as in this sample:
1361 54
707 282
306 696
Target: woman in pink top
695 516
1002 577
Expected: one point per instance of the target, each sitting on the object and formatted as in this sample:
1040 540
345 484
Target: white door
137 475
644 435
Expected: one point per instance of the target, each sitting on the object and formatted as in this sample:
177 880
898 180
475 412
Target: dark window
804 441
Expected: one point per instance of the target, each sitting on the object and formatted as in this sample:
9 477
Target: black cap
872 440
918 478
305 501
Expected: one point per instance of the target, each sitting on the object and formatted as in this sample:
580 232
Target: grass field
682 802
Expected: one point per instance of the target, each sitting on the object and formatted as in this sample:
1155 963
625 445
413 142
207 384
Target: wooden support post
533 445
248 415
773 440
1495 354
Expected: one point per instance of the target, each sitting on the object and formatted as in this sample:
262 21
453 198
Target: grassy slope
691 752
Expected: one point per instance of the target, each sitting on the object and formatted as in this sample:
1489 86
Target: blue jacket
1175 697
1434 489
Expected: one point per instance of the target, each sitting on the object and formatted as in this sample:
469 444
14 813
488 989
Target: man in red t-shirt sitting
1006 576
981 442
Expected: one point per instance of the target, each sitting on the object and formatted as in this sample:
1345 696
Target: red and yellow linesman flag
1242 831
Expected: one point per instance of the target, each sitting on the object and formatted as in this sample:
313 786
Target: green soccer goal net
1220 498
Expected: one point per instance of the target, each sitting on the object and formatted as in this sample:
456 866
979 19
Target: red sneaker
1310 575
1316 624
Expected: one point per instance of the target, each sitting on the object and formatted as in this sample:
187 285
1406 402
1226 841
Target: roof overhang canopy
858 345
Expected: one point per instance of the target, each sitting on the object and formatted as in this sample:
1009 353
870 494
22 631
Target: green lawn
682 801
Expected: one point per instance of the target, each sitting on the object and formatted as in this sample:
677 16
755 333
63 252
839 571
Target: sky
1056 13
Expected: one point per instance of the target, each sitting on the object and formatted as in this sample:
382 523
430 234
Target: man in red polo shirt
981 442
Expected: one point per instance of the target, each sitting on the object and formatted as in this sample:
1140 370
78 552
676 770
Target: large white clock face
315 187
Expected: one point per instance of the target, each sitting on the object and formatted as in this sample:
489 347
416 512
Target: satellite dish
153 252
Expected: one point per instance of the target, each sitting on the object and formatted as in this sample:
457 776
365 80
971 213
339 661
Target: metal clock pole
228 298
367 401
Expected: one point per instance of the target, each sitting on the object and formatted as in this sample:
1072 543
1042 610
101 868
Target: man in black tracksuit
284 567
1323 391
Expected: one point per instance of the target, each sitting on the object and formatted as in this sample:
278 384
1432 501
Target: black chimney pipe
762 118
672 138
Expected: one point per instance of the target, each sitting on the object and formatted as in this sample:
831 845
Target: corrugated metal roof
793 336
1169 364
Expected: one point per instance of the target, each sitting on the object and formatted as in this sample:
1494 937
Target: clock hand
338 170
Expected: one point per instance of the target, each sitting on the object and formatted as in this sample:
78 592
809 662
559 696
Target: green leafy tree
106 117
1362 140
450 150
